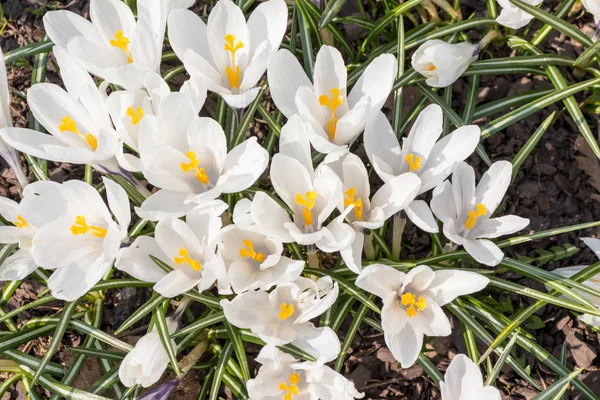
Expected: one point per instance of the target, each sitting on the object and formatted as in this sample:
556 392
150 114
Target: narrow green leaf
500 363
65 391
141 312
162 328
238 348
332 10
350 334
220 371
528 147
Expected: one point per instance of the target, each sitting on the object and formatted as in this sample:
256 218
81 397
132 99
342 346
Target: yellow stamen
292 389
186 259
410 301
431 68
21 223
121 42
358 205
249 252
479 211
81 227
308 203
233 71
287 310
332 103
414 163
194 165
68 125
135 115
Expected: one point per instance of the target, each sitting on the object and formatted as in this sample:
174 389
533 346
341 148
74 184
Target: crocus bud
147 362
442 63
512 16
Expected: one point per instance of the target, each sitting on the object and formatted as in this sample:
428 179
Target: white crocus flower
412 303
421 153
281 376
512 16
148 361
466 210
593 7
368 213
128 108
7 152
443 63
311 196
593 282
254 260
113 46
77 120
283 316
83 242
188 248
186 156
228 53
463 381
335 118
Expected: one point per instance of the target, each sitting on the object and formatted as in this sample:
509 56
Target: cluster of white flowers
145 128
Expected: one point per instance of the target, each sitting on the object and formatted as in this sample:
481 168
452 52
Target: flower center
21 223
411 303
358 205
248 251
233 71
135 115
194 165
431 67
81 227
414 162
68 125
479 211
308 203
121 42
292 389
285 311
332 103
186 259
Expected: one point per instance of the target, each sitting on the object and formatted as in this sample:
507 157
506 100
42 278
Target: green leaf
162 329
332 10
66 391
220 370
141 312
491 379
559 387
238 348
350 334
528 147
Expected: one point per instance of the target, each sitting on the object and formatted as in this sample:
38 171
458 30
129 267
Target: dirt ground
558 185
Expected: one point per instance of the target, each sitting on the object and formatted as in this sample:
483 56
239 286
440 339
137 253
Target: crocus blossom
412 303
127 108
114 45
512 16
281 376
82 242
77 120
593 282
443 63
368 213
148 361
188 248
228 53
311 196
421 153
283 316
335 118
186 155
466 211
463 381
254 260
7 152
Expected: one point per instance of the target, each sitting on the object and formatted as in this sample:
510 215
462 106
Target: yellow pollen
249 252
358 205
479 211
431 68
81 227
233 71
186 259
287 310
332 103
121 42
292 389
194 165
410 301
308 203
414 163
21 223
135 115
68 125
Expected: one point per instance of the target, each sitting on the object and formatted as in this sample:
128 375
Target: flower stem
187 362
491 35
444 5
312 258
397 230
368 247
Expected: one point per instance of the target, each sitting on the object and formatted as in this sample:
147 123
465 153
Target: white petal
449 284
484 251
285 76
63 25
418 278
164 204
463 189
73 281
226 18
380 279
593 244
118 203
330 72
494 227
442 203
268 22
174 283
396 194
493 185
463 377
187 31
321 343
420 214
293 142
270 217
376 82
405 346
425 131
243 166
382 147
242 100
352 255
136 261
18 266
290 178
